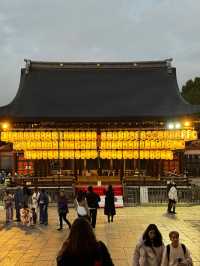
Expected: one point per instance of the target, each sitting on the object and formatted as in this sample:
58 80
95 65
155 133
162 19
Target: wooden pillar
124 167
14 163
181 162
85 164
72 167
111 164
134 164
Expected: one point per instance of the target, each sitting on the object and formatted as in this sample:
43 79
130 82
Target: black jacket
93 199
109 208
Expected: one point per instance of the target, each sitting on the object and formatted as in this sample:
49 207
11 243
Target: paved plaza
39 246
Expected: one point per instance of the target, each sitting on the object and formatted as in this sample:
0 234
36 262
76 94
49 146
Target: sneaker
59 229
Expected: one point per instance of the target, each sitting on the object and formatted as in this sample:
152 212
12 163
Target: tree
191 91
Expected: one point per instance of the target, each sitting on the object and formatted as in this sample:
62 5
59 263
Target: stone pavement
39 246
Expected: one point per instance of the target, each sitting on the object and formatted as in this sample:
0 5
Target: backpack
168 250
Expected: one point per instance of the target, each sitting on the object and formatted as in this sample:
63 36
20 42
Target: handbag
81 210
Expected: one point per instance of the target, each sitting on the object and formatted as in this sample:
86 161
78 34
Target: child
34 216
26 215
176 254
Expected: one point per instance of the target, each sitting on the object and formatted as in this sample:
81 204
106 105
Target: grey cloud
92 30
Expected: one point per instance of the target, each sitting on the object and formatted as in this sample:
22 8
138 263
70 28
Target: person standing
8 204
43 206
81 205
27 193
63 210
169 185
35 204
19 202
93 200
35 199
173 198
82 247
26 215
149 251
176 254
109 208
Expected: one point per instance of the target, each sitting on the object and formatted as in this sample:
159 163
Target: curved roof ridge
98 64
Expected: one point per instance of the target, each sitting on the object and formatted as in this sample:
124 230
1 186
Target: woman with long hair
150 249
82 248
109 208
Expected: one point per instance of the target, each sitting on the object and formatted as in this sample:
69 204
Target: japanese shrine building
97 119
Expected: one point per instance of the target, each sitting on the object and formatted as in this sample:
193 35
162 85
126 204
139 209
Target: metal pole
139 152
59 166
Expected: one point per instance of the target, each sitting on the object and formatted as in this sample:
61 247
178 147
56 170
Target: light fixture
187 123
178 125
170 126
5 126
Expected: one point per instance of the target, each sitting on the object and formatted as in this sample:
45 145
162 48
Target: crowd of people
32 205
28 206
151 251
81 246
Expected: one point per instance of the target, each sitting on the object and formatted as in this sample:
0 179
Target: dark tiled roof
97 90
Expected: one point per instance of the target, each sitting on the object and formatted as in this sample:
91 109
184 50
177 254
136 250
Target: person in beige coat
149 250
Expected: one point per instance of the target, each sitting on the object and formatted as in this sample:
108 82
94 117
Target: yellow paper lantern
131 135
120 135
103 136
119 154
146 154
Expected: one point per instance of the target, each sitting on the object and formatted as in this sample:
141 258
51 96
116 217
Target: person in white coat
35 198
149 250
173 198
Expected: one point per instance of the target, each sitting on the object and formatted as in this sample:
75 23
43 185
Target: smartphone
179 260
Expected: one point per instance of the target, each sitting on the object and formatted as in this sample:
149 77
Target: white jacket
35 198
173 194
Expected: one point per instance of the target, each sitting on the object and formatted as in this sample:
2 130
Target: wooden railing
94 180
46 181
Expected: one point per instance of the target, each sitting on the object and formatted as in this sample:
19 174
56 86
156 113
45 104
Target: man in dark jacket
19 202
63 209
43 205
93 200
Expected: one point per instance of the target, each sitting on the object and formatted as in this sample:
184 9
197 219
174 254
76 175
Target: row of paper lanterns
147 144
89 145
63 154
71 145
13 136
136 154
104 154
186 134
